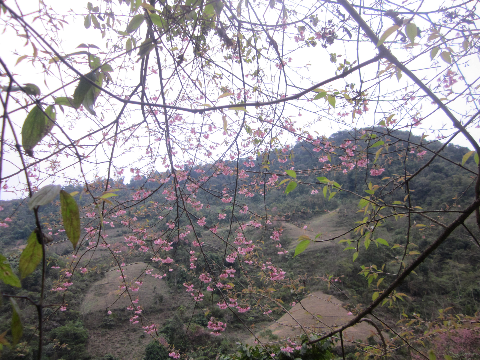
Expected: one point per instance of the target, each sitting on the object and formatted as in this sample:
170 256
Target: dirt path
318 313
326 225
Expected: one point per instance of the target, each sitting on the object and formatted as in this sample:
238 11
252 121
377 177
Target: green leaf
331 100
65 101
431 355
445 55
291 173
6 274
398 73
323 179
71 217
367 242
225 123
31 89
106 68
302 245
332 194
145 47
34 129
96 24
16 327
320 95
387 33
225 95
44 196
94 62
355 255
31 256
411 30
128 46
107 195
21 58
291 186
375 295
147 6
467 156
89 100
434 52
325 190
87 22
50 118
476 158
238 108
382 241
378 143
135 23
158 21
362 203
377 154
447 357
209 11
82 89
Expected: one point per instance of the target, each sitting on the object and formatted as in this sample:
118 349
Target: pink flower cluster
216 326
377 171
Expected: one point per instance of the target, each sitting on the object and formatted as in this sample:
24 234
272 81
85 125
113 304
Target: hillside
127 272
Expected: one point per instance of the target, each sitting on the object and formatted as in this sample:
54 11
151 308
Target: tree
178 120
155 351
71 340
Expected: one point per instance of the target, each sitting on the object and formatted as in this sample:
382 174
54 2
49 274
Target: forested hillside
93 310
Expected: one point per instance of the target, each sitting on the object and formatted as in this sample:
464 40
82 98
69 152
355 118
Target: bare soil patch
317 313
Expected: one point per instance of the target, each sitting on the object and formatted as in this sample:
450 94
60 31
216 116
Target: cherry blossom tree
178 119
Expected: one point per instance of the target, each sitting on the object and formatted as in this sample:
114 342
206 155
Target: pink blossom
376 172
222 305
287 349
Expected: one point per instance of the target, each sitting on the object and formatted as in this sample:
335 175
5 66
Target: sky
304 67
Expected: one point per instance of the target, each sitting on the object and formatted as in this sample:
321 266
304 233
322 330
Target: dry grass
106 294
127 341
326 225
317 313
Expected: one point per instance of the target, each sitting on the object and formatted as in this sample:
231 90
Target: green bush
321 350
155 351
74 337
